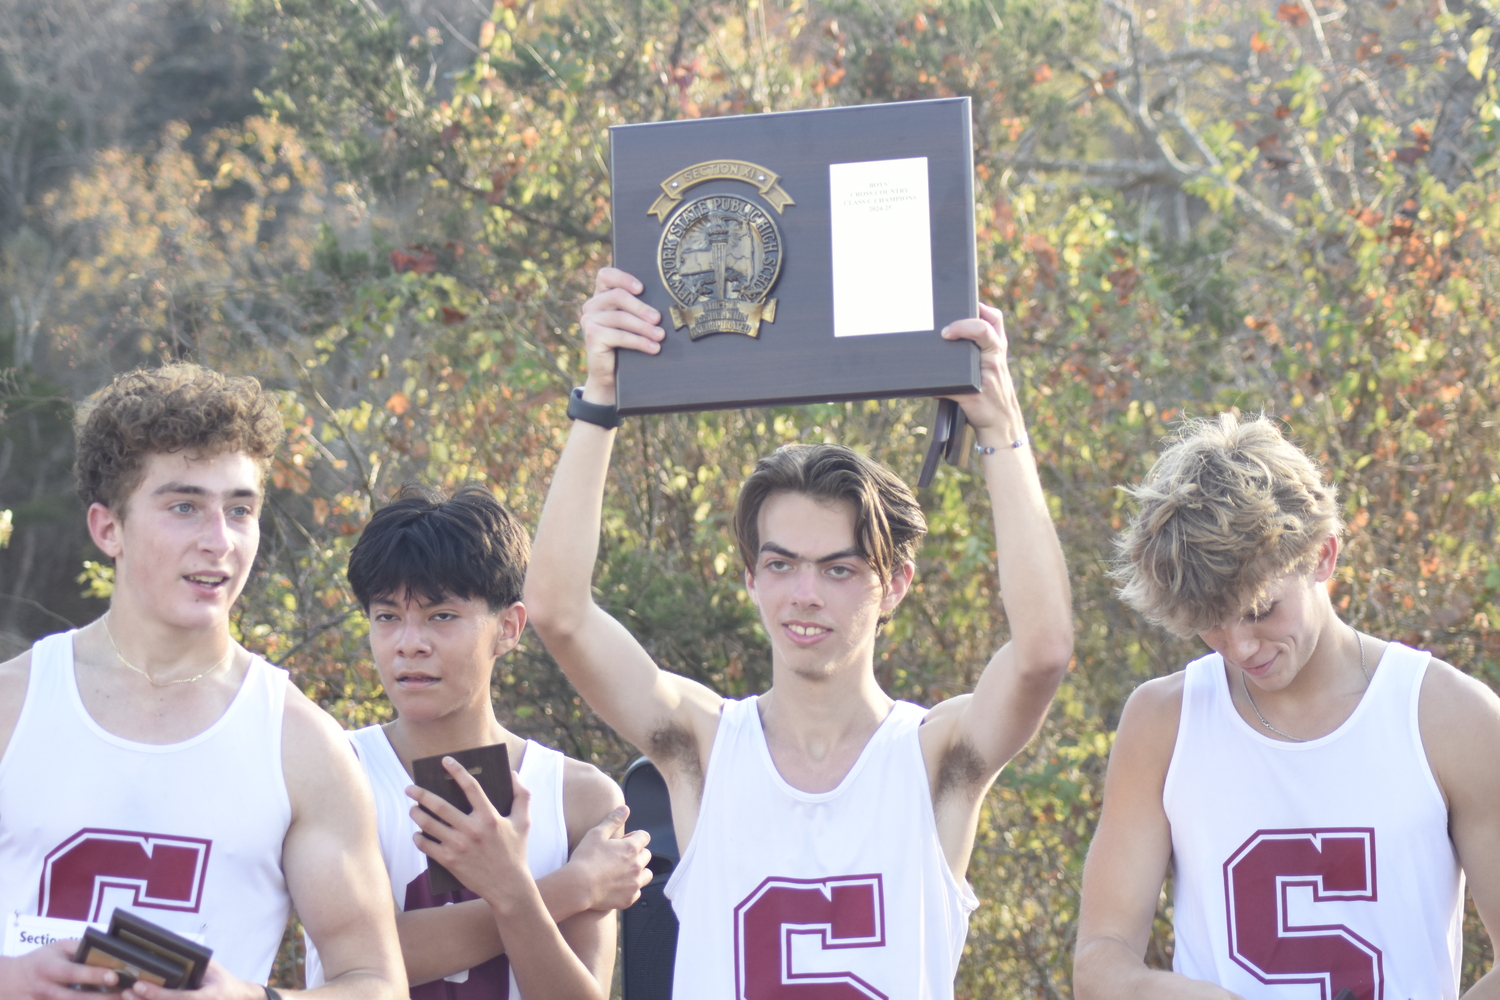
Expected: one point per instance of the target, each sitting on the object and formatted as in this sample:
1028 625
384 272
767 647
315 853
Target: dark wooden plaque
796 358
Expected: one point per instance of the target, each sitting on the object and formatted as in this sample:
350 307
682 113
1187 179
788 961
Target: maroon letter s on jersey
1337 864
163 872
843 912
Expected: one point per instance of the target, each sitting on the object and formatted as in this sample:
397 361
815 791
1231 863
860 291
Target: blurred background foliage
390 212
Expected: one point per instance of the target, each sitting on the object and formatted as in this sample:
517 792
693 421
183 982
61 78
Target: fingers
466 783
613 277
980 331
440 813
638 839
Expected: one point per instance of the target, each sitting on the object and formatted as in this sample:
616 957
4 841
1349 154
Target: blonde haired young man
150 761
1320 794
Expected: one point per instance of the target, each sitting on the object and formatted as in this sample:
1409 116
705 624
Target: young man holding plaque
440 578
1320 794
149 761
826 828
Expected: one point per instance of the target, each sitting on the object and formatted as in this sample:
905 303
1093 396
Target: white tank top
546 851
1303 869
188 835
839 895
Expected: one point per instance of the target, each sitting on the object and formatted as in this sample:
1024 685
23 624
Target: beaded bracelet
980 449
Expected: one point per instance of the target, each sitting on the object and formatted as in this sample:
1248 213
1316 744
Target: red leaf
452 315
1292 13
422 262
1283 112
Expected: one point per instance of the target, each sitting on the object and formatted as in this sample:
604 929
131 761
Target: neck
473 727
816 715
161 648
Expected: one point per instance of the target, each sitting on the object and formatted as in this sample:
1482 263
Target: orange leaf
1259 44
1292 13
398 404
1042 74
452 315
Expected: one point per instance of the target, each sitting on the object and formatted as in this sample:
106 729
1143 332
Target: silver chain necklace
1288 736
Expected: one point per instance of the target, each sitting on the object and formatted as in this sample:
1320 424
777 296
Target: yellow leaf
1479 52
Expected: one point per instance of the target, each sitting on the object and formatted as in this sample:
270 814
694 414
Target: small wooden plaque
795 357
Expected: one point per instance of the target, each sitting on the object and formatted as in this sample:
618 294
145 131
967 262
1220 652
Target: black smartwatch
607 417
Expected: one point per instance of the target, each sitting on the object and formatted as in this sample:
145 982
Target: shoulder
1149 721
1459 720
321 767
15 674
589 795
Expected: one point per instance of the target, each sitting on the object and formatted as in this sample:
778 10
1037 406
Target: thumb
612 825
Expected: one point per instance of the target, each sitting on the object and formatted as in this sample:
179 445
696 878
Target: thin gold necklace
154 682
1246 684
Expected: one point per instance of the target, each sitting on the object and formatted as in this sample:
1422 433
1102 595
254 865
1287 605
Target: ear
512 624
1328 558
900 584
106 529
750 586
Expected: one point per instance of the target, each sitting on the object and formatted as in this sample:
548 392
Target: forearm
441 940
567 537
1108 969
545 966
1033 574
357 984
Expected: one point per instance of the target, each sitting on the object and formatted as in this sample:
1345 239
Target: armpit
676 746
961 767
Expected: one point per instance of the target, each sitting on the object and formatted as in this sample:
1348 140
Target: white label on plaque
882 247
24 934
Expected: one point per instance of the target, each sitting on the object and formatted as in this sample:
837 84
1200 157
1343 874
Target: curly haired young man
1319 793
150 761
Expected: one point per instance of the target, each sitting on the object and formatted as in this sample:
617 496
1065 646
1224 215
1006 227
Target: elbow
551 617
1047 662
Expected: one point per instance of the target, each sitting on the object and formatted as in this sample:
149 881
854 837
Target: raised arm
1128 858
668 717
968 740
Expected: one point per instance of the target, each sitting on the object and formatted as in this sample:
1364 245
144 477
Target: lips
415 679
210 580
805 633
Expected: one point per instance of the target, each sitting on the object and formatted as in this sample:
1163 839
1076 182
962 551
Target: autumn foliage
1186 208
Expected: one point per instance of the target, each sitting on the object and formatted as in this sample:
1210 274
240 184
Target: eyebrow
198 491
850 553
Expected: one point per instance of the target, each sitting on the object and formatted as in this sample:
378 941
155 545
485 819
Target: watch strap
579 408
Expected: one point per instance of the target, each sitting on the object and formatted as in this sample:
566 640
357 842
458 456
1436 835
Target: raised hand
615 319
995 406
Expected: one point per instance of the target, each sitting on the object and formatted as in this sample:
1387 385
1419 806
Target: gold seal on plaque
719 257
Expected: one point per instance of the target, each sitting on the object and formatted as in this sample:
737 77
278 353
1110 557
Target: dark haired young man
440 578
826 828
150 761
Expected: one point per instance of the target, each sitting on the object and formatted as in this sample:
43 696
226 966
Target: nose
412 639
806 592
215 534
1238 644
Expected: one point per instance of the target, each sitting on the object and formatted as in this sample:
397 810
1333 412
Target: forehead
227 472
806 525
